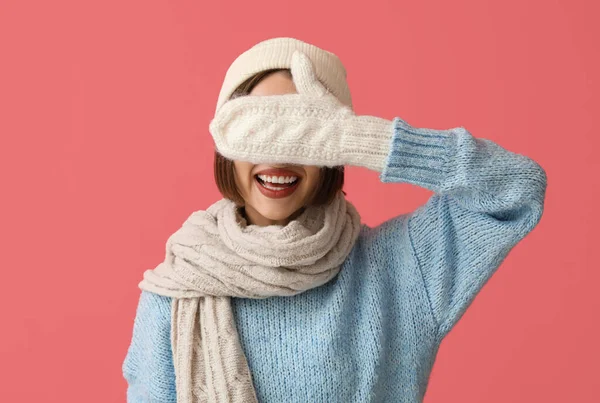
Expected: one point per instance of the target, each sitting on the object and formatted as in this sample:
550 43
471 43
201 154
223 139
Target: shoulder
152 324
381 237
154 306
153 321
385 245
148 365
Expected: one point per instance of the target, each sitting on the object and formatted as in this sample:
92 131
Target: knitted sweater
372 333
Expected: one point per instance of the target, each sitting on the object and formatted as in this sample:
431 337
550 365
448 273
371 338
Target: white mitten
311 127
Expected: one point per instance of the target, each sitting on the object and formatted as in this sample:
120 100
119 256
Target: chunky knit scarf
216 255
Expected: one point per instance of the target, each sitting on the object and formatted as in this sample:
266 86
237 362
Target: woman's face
268 203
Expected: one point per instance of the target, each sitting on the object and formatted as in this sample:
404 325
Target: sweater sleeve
486 199
148 365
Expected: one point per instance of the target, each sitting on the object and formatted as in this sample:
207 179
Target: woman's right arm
148 365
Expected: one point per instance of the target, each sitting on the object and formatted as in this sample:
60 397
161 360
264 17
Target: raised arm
486 200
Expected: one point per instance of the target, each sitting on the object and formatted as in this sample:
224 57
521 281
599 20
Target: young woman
277 292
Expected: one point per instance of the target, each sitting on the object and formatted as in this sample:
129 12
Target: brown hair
331 179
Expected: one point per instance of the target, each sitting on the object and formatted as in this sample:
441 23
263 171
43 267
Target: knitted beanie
276 53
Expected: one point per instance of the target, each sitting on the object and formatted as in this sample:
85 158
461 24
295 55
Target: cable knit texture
371 334
276 53
217 255
311 127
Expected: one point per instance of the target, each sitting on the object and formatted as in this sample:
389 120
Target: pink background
104 108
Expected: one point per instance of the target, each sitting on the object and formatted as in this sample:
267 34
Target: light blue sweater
372 333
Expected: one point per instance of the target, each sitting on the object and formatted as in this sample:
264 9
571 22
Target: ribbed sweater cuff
418 156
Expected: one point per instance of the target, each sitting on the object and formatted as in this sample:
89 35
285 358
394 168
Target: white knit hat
276 53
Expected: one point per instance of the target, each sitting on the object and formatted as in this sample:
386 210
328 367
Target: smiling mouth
275 184
273 189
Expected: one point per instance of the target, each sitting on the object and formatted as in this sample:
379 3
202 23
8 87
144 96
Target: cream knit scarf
215 255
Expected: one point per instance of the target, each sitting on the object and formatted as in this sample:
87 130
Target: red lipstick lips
279 193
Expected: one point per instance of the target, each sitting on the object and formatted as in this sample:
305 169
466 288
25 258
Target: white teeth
271 187
278 179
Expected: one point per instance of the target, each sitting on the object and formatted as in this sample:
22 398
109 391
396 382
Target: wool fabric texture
371 334
216 255
276 53
311 127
